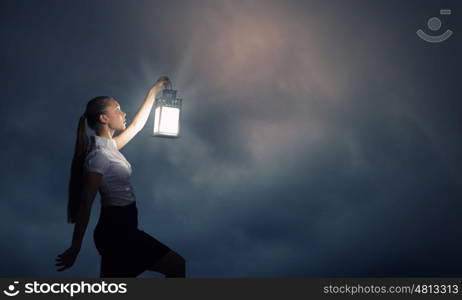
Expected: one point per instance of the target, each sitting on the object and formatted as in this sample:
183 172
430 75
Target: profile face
116 116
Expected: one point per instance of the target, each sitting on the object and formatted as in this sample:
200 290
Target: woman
125 250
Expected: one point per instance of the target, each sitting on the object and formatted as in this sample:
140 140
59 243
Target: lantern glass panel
168 120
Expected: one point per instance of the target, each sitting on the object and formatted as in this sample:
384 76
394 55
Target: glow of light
167 120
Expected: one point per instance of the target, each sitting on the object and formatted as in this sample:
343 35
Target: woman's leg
171 265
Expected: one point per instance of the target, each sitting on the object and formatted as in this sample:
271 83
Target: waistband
119 216
118 207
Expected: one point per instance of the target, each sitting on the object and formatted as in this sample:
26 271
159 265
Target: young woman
126 251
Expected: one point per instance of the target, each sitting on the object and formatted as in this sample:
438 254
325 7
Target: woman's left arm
142 115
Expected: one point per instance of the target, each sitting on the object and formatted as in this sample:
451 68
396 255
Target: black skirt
125 250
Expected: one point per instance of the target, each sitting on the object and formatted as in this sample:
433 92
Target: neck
105 132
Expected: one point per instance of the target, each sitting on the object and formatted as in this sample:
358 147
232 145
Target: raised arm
91 185
142 115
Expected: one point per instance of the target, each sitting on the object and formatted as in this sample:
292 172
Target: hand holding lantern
160 84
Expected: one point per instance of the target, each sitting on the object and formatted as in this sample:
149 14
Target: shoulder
97 160
96 153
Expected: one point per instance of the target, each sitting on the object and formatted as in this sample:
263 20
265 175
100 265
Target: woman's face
116 116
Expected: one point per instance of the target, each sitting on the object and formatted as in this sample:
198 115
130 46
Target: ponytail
95 107
76 178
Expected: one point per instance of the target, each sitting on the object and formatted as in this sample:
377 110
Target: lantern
167 114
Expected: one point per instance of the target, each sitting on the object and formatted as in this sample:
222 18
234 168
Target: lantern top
168 94
168 98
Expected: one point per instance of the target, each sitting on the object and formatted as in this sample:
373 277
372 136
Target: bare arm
142 115
92 182
91 185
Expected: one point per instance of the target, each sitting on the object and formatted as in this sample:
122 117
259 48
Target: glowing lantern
167 114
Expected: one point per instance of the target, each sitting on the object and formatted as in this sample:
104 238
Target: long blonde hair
95 107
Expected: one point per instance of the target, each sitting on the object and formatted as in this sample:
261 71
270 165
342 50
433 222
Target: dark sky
320 138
